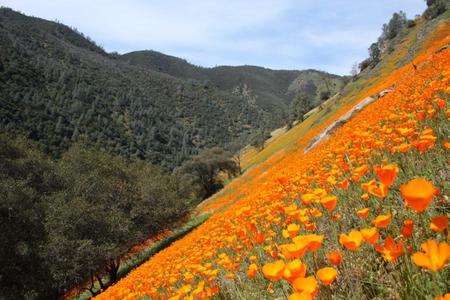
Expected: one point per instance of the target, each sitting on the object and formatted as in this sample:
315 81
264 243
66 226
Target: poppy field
363 215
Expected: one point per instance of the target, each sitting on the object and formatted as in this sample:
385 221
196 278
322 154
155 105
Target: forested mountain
271 90
56 85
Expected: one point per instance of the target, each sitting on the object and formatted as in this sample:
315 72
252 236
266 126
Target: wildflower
351 241
307 199
252 269
306 284
300 296
294 269
390 250
445 297
387 174
273 270
439 223
434 257
407 229
329 202
379 191
327 275
312 241
334 257
293 229
370 235
382 221
365 196
363 213
293 250
418 194
259 237
336 217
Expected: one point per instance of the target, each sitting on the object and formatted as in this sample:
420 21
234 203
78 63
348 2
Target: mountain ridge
56 80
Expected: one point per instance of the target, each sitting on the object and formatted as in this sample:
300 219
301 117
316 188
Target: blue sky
327 35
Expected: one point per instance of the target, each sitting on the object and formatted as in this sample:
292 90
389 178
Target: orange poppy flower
351 241
363 213
370 235
387 174
300 296
273 270
293 229
306 284
434 257
365 186
293 250
315 212
379 191
365 196
336 217
390 250
382 221
439 223
307 199
312 241
418 194
252 269
407 229
445 297
326 275
294 269
329 202
343 184
334 257
259 237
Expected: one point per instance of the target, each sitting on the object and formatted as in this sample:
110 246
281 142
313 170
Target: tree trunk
113 268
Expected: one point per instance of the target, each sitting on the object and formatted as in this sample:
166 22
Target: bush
65 222
203 174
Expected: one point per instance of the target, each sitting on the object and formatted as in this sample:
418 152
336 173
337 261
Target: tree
160 192
435 8
354 70
89 225
394 26
203 174
374 54
259 138
299 106
27 179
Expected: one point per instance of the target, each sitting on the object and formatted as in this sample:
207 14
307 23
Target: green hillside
56 86
271 90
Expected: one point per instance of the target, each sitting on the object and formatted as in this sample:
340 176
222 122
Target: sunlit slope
275 227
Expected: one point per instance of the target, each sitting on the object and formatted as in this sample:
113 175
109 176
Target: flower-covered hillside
362 215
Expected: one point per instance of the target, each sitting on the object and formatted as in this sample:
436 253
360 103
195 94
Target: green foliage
27 179
435 8
259 138
390 30
203 174
299 107
66 221
374 54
